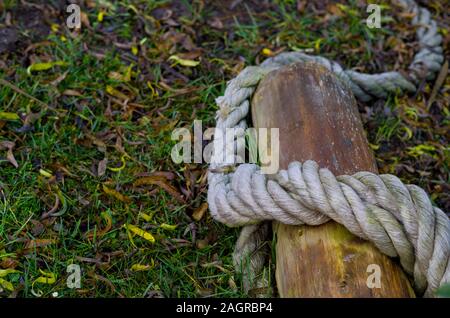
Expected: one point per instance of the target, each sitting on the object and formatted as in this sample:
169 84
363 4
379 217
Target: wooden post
318 119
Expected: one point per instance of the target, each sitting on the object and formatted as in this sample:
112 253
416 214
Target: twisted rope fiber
398 218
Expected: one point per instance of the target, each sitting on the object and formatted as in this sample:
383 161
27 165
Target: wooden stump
318 119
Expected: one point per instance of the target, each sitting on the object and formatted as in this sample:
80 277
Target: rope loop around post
398 218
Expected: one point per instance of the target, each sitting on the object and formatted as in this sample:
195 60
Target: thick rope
399 219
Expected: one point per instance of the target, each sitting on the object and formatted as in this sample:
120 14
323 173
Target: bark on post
318 119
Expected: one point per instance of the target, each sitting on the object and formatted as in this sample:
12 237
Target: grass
59 149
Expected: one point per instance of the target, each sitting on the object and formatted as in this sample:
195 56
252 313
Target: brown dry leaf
165 174
335 10
72 92
116 194
150 180
162 183
192 55
9 145
59 79
216 23
201 244
180 91
90 235
301 4
37 228
101 146
106 281
9 263
438 83
101 170
85 19
32 244
34 46
200 211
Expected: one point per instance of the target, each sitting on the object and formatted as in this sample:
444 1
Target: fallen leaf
72 92
168 227
183 62
5 272
148 180
45 173
100 16
162 183
9 145
438 83
201 244
116 194
114 92
106 229
37 67
122 159
6 285
145 216
48 278
216 23
9 116
59 79
102 167
267 52
85 19
32 244
200 211
143 267
145 235
9 263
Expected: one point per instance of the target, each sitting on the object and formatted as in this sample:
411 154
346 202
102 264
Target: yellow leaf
114 92
45 173
100 16
9 116
267 52
145 216
134 50
5 272
142 267
122 166
48 278
168 227
154 92
145 235
55 27
184 62
317 44
127 75
37 67
119 196
7 285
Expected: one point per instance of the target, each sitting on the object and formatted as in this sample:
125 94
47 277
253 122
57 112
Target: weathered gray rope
399 219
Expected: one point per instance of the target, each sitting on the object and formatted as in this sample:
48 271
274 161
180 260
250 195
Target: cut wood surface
318 119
